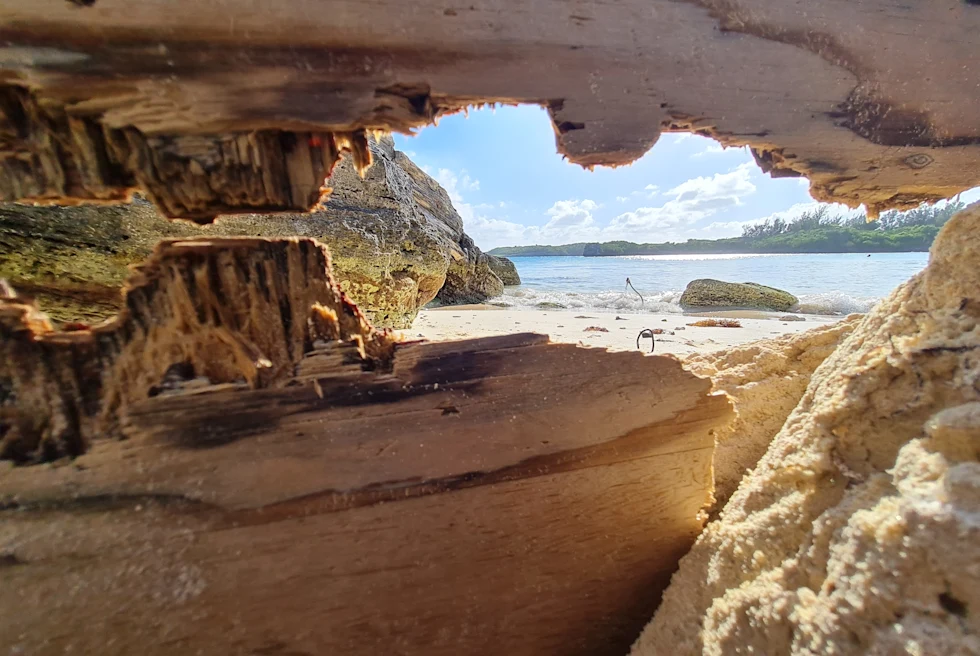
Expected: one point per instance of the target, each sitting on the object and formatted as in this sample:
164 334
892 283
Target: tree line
820 230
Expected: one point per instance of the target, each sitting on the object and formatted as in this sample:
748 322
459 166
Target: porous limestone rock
705 293
766 379
394 234
857 533
505 270
470 278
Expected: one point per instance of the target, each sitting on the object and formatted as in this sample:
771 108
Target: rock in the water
505 270
393 236
470 278
708 293
857 532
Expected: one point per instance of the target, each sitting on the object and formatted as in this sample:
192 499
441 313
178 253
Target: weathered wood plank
559 564
259 471
226 106
542 514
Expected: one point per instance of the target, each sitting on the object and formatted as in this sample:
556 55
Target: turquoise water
832 283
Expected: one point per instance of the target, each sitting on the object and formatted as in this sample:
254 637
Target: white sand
464 321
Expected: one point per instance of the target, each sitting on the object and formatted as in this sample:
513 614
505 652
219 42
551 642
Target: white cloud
712 149
715 148
448 179
652 189
691 201
489 232
722 229
570 220
797 209
969 196
696 208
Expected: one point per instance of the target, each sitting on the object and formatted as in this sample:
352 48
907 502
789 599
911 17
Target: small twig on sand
630 286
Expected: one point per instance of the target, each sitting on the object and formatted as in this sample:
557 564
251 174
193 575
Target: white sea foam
831 303
834 303
618 301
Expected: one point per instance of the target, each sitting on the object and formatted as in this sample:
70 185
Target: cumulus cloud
462 181
719 230
696 208
690 201
715 148
567 213
569 220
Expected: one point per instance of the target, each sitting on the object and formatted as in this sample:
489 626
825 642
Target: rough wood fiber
219 107
237 311
290 481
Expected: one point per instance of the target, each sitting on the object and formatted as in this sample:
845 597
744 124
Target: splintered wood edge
221 311
584 455
450 417
92 119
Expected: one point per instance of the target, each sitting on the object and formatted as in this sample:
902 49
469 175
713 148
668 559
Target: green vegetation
817 231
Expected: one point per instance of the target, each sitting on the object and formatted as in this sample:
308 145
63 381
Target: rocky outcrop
505 270
765 380
470 278
857 531
706 293
394 235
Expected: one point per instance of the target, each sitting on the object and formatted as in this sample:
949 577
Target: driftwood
223 107
258 471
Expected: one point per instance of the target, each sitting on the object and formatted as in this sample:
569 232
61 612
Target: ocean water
830 284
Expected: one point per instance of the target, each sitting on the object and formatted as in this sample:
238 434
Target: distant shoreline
911 232
733 252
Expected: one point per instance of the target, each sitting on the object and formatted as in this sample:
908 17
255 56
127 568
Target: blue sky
506 180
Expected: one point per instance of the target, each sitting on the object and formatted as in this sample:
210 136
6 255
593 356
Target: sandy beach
617 331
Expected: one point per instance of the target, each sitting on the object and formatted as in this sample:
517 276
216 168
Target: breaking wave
830 303
834 303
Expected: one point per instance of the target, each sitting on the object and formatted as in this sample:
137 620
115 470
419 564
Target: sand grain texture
766 379
858 531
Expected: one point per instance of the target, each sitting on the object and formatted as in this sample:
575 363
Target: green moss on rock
393 236
505 270
706 293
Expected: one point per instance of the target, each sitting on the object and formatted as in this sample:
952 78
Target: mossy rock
706 293
470 279
505 270
393 235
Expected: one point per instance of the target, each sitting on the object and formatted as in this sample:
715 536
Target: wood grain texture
499 494
226 106
256 470
241 312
